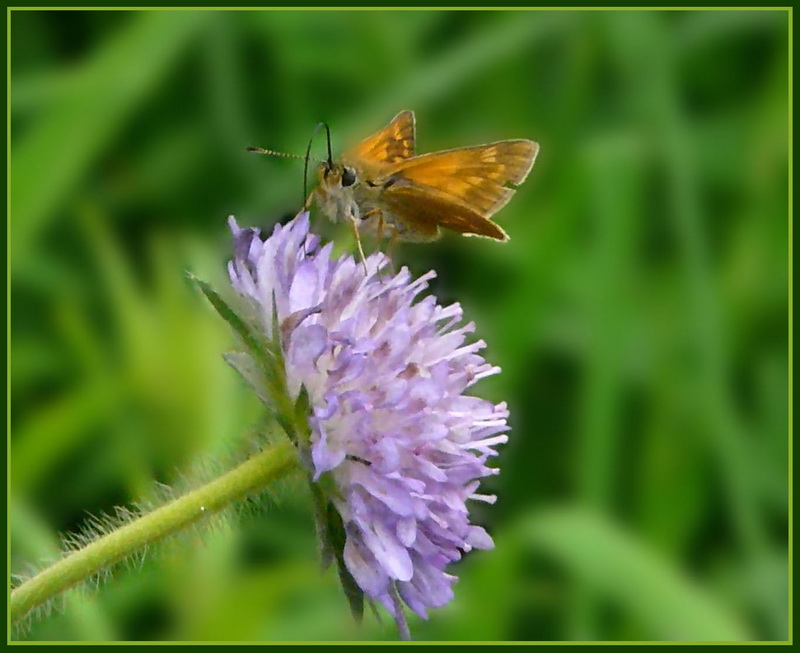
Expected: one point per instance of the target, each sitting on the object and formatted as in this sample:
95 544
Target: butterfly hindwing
422 212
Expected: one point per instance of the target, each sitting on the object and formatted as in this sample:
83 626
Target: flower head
391 428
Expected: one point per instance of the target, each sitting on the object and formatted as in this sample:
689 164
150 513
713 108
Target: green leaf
302 411
266 355
320 502
337 538
245 365
276 327
241 328
332 538
624 570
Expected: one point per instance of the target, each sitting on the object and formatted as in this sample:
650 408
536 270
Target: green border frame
788 9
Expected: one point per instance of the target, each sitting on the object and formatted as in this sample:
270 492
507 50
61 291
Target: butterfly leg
354 226
371 214
307 207
394 237
392 242
379 235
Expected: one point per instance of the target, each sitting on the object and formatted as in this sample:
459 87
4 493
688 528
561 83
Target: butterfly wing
392 144
470 177
421 211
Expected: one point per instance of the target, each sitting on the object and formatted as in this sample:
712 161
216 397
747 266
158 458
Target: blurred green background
639 312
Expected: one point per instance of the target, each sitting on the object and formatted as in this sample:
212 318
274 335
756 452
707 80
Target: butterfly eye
348 177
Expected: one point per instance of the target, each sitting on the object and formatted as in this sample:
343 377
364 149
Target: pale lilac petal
388 551
362 565
407 531
478 538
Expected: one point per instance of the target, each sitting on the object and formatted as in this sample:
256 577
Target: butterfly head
332 177
336 176
334 191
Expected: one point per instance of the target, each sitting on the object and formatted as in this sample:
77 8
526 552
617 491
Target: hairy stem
248 478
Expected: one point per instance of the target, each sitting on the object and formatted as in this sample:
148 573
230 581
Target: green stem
251 476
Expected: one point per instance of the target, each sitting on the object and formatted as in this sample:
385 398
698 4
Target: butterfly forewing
393 143
475 177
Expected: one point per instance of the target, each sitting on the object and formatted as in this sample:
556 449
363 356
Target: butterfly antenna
261 150
284 155
308 156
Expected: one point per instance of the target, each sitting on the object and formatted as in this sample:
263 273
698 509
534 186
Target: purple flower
391 429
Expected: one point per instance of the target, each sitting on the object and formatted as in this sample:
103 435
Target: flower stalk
252 476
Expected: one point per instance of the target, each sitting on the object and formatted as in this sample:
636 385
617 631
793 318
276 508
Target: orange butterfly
382 183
